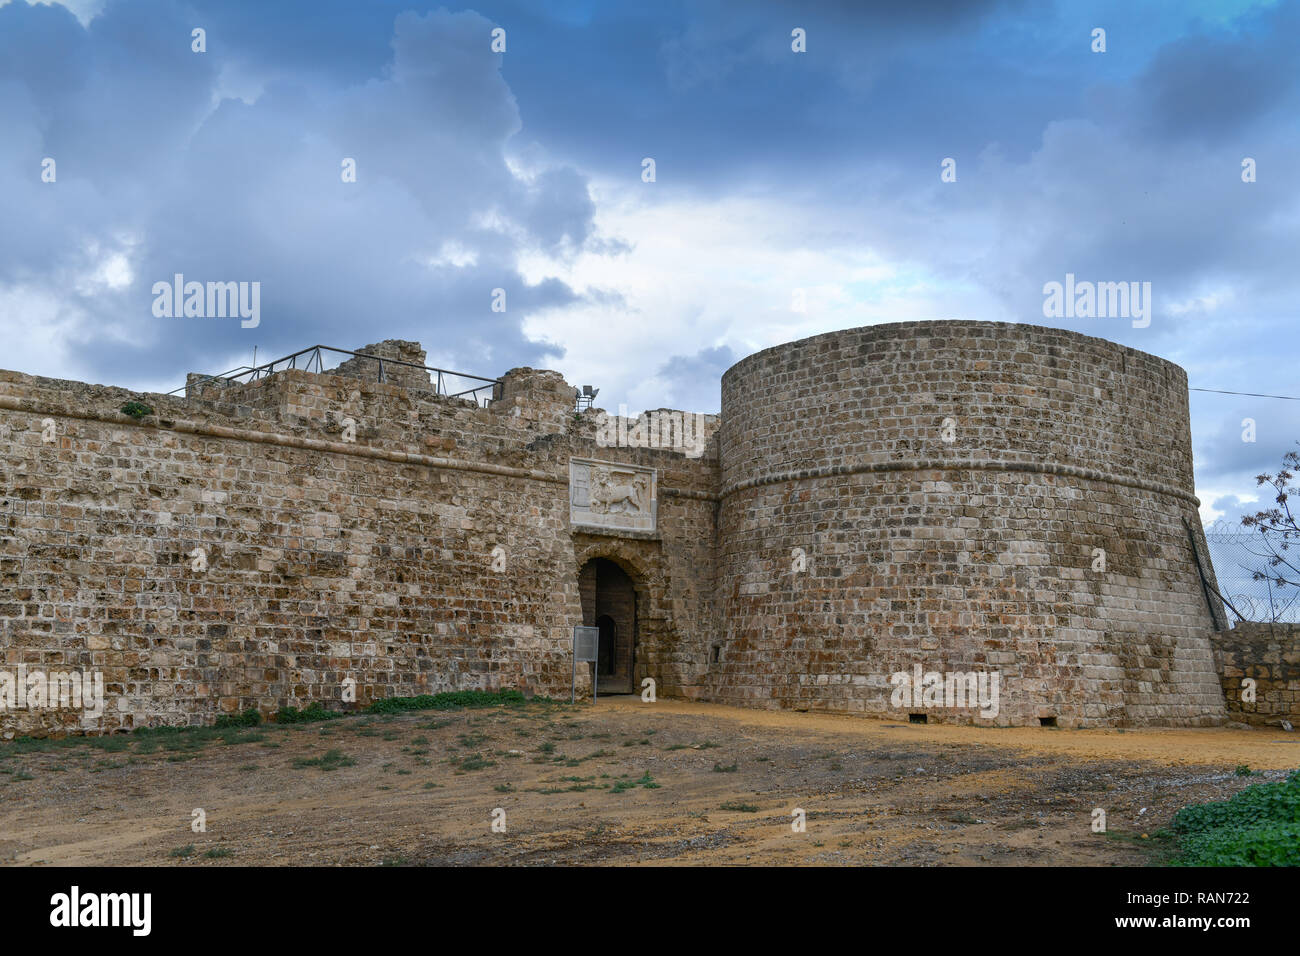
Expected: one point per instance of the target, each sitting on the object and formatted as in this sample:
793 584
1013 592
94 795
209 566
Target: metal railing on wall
312 359
1238 554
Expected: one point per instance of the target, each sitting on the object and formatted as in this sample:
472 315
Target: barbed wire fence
1237 553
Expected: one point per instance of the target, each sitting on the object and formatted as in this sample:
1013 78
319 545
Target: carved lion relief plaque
612 496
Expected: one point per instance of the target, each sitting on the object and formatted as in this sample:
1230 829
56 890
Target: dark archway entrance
608 639
609 603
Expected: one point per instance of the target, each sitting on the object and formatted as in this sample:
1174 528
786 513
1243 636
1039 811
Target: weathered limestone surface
416 543
1268 654
327 559
969 554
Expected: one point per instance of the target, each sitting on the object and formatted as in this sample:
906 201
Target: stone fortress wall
830 530
373 559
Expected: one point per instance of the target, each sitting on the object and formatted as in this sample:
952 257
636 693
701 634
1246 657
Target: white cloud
83 10
706 273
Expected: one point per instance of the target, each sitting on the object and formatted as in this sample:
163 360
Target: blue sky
779 175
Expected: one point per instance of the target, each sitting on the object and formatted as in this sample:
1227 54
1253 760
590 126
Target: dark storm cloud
1212 88
1123 166
147 168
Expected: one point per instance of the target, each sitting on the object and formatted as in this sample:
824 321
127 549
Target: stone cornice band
433 461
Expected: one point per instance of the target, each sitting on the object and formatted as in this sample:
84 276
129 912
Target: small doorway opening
609 604
608 653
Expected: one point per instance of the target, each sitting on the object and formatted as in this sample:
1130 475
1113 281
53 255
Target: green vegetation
249 718
646 781
313 712
739 807
452 700
1260 826
136 410
332 760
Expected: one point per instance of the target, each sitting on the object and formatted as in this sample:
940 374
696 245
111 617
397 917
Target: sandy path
624 783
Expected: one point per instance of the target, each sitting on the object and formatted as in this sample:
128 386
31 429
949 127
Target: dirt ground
623 782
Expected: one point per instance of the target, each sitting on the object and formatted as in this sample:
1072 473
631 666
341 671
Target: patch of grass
249 718
719 768
233 737
646 781
1243 770
113 743
332 760
739 807
313 712
504 788
219 853
453 700
182 852
1260 826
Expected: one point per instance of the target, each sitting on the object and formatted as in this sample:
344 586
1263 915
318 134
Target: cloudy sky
794 192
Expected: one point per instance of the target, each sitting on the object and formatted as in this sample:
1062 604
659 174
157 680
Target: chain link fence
1237 553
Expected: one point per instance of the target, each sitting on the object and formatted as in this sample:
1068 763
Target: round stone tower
930 499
